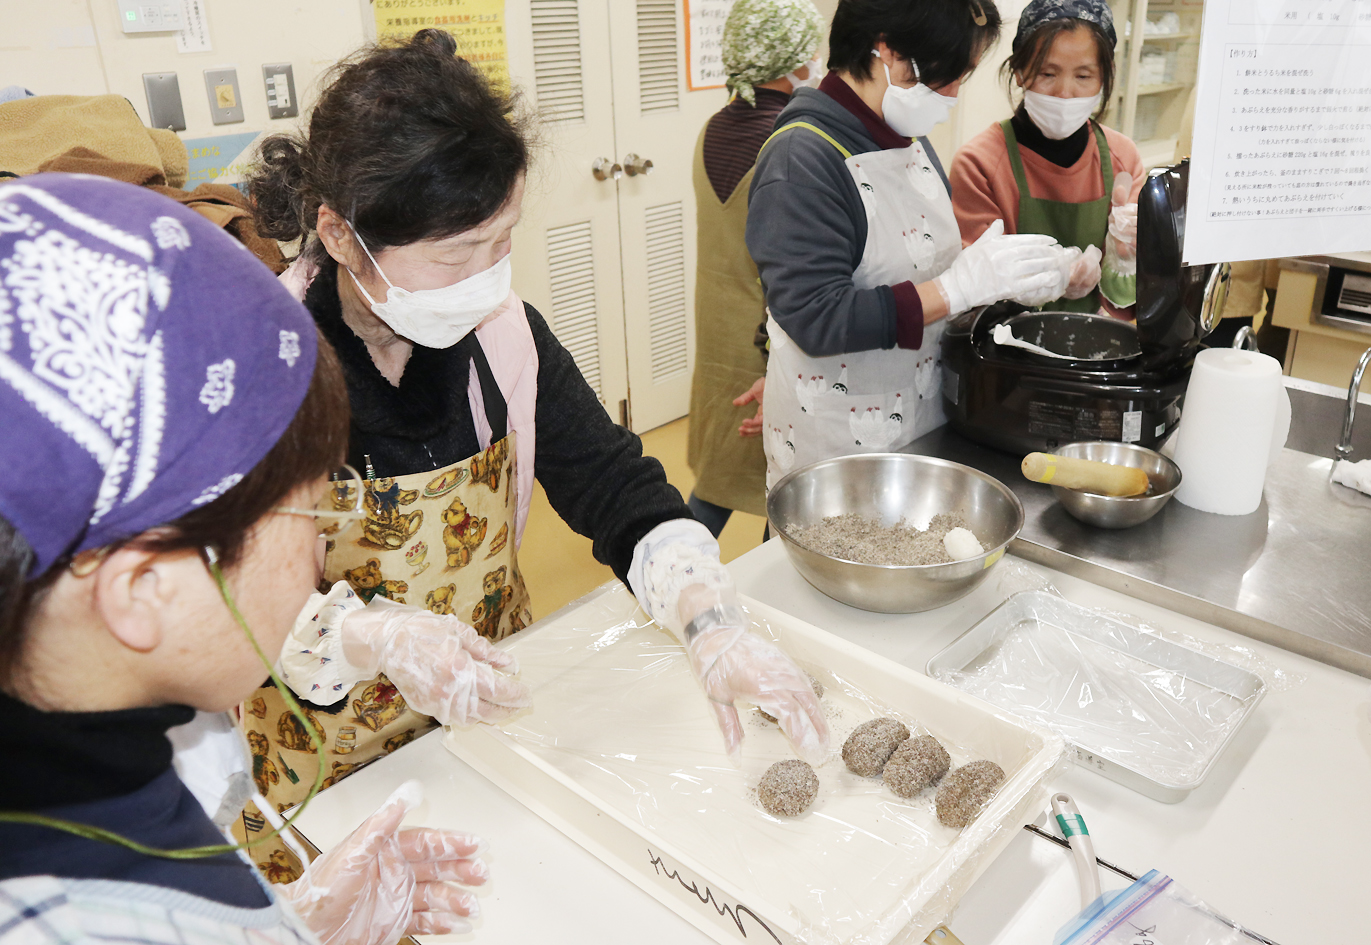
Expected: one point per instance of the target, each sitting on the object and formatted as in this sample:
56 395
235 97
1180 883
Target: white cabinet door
658 120
566 250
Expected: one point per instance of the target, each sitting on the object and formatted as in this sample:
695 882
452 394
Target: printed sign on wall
1281 162
478 25
704 43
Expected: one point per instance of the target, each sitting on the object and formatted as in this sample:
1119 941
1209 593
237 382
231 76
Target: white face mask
812 82
439 318
1059 118
913 112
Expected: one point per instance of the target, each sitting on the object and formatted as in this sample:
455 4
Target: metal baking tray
1036 649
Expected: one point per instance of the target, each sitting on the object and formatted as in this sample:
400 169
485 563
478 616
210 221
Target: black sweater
110 770
593 471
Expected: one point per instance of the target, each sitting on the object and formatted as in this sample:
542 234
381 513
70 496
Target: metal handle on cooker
1215 297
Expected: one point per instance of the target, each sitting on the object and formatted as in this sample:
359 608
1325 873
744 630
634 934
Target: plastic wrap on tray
618 714
1107 683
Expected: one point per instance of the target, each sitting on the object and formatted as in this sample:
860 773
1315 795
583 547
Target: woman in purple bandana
167 412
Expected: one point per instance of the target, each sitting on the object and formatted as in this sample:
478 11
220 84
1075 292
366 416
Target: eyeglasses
340 507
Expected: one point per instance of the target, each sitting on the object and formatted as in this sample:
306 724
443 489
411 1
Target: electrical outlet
163 90
150 16
280 81
225 101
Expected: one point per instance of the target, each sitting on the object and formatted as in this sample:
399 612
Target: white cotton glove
1029 268
442 667
677 577
383 882
1085 273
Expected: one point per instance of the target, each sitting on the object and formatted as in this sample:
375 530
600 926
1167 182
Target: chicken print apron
880 400
442 540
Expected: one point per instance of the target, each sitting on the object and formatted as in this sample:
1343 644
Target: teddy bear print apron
442 540
868 401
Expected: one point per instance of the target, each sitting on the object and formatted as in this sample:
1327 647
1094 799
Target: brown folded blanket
221 204
35 130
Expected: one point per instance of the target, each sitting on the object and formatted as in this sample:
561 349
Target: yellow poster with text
478 25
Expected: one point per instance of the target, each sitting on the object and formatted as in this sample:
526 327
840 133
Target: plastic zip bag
1156 910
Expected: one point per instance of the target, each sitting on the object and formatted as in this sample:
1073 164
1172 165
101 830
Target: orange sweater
983 188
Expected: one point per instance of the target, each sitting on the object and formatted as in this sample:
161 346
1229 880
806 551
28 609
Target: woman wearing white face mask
1051 168
769 49
851 226
406 188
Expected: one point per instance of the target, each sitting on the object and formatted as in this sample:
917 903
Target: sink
1316 413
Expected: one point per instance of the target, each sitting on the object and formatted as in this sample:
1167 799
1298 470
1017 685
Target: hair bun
439 41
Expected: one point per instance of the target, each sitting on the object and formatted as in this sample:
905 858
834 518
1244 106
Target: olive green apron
1071 224
441 539
730 470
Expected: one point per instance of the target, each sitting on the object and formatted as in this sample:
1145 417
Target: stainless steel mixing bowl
890 487
1116 511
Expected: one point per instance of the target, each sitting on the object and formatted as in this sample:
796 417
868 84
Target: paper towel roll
1234 423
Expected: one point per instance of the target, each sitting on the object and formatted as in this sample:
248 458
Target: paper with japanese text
704 43
478 25
1281 161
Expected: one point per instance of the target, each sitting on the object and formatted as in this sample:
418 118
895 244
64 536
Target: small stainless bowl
1117 511
890 487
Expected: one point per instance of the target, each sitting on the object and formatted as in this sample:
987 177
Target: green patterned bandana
765 39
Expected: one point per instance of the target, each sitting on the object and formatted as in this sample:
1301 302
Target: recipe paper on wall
477 25
705 43
1281 162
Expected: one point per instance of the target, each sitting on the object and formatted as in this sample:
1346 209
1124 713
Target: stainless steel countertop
1296 573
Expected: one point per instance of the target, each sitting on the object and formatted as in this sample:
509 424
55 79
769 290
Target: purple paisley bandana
147 361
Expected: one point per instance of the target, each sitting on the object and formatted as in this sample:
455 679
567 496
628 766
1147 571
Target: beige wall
75 47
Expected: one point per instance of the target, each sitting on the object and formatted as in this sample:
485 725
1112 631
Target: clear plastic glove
383 882
1123 219
732 663
1022 267
677 577
1123 228
441 666
1085 274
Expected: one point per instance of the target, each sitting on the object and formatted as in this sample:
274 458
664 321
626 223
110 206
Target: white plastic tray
621 754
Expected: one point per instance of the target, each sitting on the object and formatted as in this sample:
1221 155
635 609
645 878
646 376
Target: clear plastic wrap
1121 693
618 715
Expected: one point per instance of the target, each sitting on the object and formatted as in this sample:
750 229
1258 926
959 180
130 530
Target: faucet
1344 447
1246 338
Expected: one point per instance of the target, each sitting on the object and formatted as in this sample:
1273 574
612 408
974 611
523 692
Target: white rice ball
961 543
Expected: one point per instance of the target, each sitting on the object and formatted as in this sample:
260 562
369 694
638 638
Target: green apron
1072 224
730 470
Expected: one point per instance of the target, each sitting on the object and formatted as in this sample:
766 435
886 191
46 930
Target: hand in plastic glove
677 577
732 663
383 882
753 425
441 666
1085 274
995 267
1123 217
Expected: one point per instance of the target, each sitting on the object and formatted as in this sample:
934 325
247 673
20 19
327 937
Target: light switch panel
280 81
225 101
164 100
150 16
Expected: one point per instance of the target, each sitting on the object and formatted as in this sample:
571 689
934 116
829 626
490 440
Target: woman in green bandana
770 48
